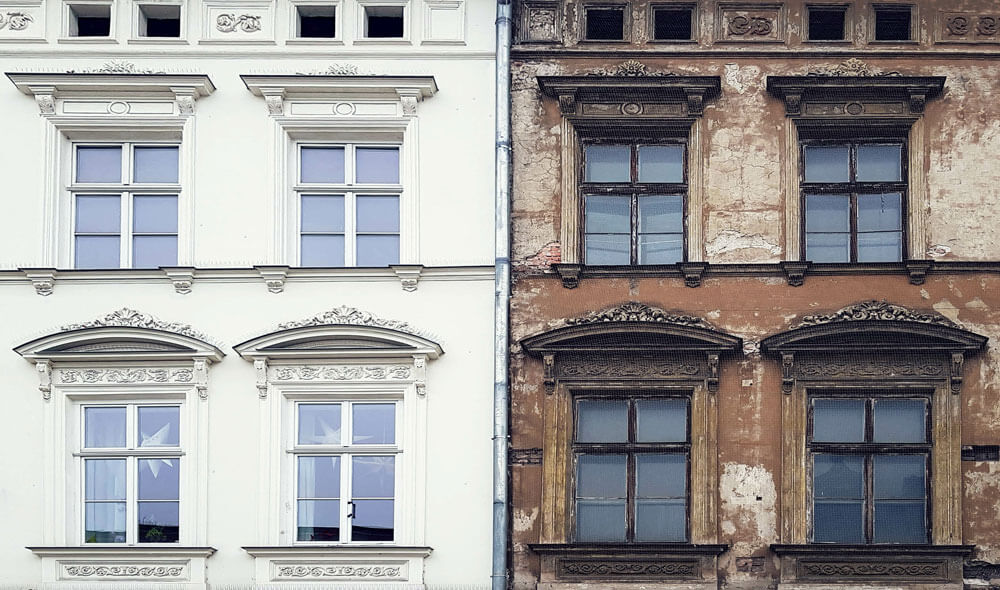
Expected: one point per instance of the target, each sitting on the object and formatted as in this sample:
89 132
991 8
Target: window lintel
856 91
408 90
636 92
184 89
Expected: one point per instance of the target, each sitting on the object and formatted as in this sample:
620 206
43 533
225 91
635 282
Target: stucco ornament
336 571
350 316
874 310
852 67
336 69
228 23
16 21
631 68
638 312
116 67
130 318
124 571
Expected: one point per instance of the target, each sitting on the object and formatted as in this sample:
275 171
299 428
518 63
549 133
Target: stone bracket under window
355 96
692 565
939 566
119 95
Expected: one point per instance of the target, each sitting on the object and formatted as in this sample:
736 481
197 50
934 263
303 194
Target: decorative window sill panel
339 563
161 565
876 567
628 566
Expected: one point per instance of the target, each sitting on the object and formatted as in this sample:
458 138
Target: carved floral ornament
349 316
852 67
231 22
874 310
15 20
130 318
632 68
638 312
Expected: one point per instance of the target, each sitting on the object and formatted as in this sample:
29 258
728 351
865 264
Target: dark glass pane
159 522
827 163
608 163
378 214
373 520
97 252
900 476
837 522
600 520
322 164
319 424
319 477
374 424
661 163
377 165
373 477
661 214
316 25
384 22
607 249
892 24
605 24
661 420
838 420
322 251
154 214
880 247
601 420
672 24
879 162
826 25
104 427
838 476
900 420
155 164
660 520
828 213
104 479
159 479
661 475
378 250
661 248
900 522
154 251
600 476
98 214
318 520
880 212
159 426
322 213
105 522
99 164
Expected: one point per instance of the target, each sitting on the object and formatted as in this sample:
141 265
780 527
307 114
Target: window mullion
346 498
634 227
350 229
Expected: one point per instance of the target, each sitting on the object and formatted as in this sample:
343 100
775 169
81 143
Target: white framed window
383 21
158 21
348 201
92 19
124 204
315 21
346 456
130 461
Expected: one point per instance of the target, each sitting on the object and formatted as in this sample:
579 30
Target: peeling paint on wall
748 508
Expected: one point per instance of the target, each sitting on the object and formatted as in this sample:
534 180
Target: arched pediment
875 326
121 336
632 327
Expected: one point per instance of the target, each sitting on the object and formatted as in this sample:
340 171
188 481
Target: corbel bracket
420 374
917 270
274 99
409 275
693 272
201 378
787 375
42 279
274 277
44 368
569 273
957 363
549 364
181 276
260 368
795 272
713 372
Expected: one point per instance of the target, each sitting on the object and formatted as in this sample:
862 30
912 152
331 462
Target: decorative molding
835 571
969 27
115 80
752 23
42 279
127 375
866 91
568 273
182 277
15 20
795 272
628 82
419 374
229 23
868 368
549 379
852 67
632 68
957 362
130 318
693 272
274 276
526 456
201 378
340 571
115 66
981 570
745 25
408 90
349 316
124 571
917 269
606 366
540 22
627 568
713 372
44 369
260 369
787 374
874 310
638 312
409 274
335 69
342 373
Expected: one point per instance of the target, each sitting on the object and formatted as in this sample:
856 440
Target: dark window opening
318 22
159 21
892 24
90 21
672 24
384 22
605 24
981 453
826 24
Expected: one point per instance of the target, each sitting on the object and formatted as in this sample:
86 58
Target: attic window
317 22
827 23
159 20
605 24
384 22
89 20
892 23
672 24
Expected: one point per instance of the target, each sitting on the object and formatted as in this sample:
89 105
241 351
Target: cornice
117 552
110 84
275 88
337 551
561 53
630 81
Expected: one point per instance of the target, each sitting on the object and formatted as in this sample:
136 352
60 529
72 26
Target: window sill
565 566
129 563
937 566
339 563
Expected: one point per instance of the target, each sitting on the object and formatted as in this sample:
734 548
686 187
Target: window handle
352 505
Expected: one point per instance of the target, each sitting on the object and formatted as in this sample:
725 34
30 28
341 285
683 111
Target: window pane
828 213
104 427
322 164
838 476
155 164
99 164
880 212
322 213
378 214
661 248
373 477
98 214
879 162
373 424
608 163
378 250
159 522
322 251
607 249
880 247
97 252
661 214
319 477
837 522
155 214
159 479
900 420
828 247
319 424
900 476
154 251
318 520
105 479
607 215
661 475
900 522
600 520
661 163
105 522
373 520
827 163
838 420
600 476
377 165
661 420
159 426
602 421
660 520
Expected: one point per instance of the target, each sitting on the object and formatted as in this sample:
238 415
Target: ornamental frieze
124 571
621 367
969 27
340 571
874 310
627 568
912 570
130 318
341 373
828 369
130 375
638 312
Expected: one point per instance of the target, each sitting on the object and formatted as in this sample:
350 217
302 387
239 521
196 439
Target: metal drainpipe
501 297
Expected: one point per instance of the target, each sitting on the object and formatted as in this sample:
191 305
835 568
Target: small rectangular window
827 23
892 23
89 20
384 22
159 20
605 23
317 22
672 23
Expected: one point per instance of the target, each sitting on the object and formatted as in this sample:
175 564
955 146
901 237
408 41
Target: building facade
247 275
755 293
